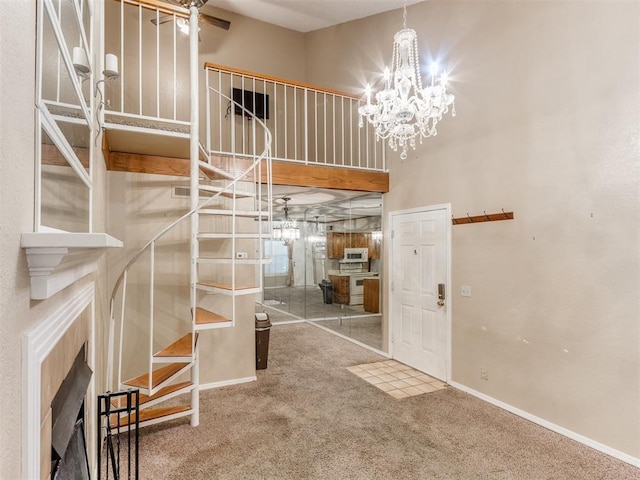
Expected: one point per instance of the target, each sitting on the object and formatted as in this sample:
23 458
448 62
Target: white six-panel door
419 262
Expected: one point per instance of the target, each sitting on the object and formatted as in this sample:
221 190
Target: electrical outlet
465 290
484 373
242 255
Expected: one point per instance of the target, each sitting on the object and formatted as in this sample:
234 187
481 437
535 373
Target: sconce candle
111 66
80 61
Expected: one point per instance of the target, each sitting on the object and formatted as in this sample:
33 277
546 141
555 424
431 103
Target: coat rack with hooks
491 217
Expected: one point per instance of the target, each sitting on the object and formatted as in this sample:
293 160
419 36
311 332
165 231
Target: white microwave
355 255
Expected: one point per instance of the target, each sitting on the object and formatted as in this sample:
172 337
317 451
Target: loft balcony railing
152 90
309 124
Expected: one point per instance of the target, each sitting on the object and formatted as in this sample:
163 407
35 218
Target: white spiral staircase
229 216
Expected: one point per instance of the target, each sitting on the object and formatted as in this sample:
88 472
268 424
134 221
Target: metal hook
470 219
455 222
485 214
504 213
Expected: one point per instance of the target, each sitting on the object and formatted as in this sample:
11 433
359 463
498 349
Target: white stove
356 286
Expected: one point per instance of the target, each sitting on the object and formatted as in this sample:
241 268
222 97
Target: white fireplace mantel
47 250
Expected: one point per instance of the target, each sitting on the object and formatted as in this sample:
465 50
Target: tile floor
397 379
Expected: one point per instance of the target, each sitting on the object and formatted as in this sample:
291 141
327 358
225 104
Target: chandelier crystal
286 230
405 110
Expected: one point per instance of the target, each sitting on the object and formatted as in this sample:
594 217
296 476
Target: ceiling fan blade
162 19
215 21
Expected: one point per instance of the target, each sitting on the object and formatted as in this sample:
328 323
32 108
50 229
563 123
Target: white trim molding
36 346
45 254
635 461
226 383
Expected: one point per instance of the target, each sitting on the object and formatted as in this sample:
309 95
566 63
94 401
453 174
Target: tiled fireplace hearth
49 352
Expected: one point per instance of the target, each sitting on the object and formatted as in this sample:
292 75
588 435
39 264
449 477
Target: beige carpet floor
308 417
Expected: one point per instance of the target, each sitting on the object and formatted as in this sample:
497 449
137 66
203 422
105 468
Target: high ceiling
309 15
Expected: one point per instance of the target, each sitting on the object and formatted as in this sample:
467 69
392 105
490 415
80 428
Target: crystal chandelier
405 110
287 230
316 233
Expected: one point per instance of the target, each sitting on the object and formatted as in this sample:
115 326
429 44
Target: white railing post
194 146
151 313
121 339
207 95
140 58
195 393
306 126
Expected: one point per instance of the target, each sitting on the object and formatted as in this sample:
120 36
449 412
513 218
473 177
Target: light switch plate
465 290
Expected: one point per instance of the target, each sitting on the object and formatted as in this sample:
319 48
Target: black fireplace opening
69 459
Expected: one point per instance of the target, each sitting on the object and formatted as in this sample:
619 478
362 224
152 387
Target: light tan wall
18 313
142 205
547 126
253 45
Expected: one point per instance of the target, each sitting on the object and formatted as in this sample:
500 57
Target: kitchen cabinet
338 241
374 247
359 240
340 288
335 245
372 295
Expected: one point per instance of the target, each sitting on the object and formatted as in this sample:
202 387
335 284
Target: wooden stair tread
179 348
121 402
151 414
205 317
158 376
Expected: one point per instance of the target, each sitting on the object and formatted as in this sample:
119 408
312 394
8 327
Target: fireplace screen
74 464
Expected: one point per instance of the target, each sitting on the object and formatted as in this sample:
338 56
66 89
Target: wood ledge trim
161 6
271 78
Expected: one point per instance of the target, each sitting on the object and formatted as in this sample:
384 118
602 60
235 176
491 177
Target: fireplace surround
49 352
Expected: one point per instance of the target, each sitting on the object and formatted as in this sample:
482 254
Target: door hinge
393 233
393 286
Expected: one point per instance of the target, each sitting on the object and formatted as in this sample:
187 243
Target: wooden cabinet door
371 295
340 288
360 240
335 245
374 248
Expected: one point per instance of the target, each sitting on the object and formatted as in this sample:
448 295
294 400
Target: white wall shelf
47 250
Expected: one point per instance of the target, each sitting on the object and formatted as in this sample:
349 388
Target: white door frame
448 291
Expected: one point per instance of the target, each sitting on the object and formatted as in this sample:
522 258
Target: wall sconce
81 63
110 74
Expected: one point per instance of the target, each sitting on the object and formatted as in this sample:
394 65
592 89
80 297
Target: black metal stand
111 406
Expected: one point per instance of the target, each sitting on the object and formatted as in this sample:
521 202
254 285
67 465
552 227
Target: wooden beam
301 175
283 173
137 163
106 152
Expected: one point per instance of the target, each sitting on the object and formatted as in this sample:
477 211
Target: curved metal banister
232 183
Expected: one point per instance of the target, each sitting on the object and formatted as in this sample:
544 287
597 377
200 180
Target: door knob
441 294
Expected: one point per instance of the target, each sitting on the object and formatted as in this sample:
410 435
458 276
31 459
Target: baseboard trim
552 426
226 383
